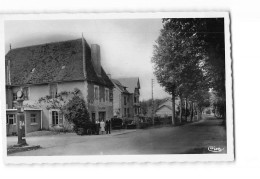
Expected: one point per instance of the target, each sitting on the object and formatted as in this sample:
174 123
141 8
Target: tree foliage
76 112
189 58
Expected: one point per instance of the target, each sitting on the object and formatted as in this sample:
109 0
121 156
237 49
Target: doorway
102 116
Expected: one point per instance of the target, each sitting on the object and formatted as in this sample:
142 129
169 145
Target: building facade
126 98
51 69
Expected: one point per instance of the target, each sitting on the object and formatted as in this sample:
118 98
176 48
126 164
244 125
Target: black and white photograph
118 87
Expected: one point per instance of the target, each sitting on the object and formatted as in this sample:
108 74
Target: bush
77 113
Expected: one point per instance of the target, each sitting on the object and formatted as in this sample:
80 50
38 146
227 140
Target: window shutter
60 117
7 120
51 118
15 119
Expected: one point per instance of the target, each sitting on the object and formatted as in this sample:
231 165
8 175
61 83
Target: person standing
108 126
102 126
97 127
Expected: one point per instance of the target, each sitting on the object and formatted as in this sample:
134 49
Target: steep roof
167 106
168 103
130 83
120 86
53 62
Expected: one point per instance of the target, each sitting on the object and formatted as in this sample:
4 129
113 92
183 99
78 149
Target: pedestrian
102 127
108 127
97 127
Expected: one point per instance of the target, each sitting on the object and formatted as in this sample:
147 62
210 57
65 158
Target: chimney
95 58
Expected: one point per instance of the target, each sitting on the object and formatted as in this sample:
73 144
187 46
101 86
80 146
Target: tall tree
189 58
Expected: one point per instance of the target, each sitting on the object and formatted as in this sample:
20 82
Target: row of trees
189 62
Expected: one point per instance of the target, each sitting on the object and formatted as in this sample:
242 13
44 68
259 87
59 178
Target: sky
126 44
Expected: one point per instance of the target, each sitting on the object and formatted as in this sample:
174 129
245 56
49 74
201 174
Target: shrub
77 113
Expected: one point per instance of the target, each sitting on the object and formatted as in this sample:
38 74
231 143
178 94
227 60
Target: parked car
130 124
116 123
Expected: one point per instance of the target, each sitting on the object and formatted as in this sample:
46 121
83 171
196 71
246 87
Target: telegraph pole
152 102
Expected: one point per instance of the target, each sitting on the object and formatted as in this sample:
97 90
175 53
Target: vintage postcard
116 87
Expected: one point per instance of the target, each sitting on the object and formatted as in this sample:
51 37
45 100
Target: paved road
190 138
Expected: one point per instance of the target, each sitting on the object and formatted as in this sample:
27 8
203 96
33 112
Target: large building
48 69
126 98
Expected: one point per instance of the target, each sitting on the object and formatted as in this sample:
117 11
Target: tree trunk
180 109
186 109
194 111
173 108
199 114
191 110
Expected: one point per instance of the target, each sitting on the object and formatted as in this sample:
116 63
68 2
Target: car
130 124
116 123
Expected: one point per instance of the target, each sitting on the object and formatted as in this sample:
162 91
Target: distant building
126 95
47 69
165 108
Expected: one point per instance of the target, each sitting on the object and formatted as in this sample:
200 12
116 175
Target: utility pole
152 102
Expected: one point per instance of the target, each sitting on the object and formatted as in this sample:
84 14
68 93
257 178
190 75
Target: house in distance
47 70
126 104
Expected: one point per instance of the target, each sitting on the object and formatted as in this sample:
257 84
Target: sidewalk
63 138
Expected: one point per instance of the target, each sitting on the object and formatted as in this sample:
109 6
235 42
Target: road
191 138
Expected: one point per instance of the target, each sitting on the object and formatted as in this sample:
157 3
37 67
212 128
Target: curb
14 149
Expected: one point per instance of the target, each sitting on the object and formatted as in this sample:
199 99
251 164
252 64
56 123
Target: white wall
37 91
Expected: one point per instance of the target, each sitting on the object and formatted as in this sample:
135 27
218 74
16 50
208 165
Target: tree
189 58
176 57
77 113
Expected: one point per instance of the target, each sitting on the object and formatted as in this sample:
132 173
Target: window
125 112
136 99
128 114
106 94
124 100
10 119
26 93
33 118
53 90
14 96
96 92
111 96
55 118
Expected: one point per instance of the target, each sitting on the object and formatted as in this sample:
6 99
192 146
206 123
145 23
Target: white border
126 158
